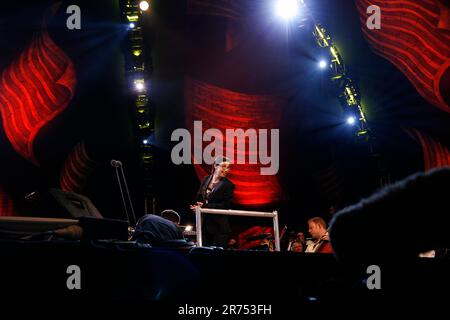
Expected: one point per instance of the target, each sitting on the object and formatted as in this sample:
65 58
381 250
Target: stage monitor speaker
75 204
90 220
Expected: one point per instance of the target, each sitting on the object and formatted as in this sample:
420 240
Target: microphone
116 163
121 178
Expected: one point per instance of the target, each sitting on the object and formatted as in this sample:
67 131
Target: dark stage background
100 112
321 163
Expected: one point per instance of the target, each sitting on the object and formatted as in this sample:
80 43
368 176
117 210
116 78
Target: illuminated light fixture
335 54
188 228
322 64
145 141
287 9
144 125
131 25
137 52
361 112
351 120
351 95
133 18
362 133
139 85
321 38
143 5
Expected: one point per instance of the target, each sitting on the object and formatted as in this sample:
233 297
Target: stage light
131 25
133 18
322 64
351 120
139 85
137 52
287 9
143 5
145 141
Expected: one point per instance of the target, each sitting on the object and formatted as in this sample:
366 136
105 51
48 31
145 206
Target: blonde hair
318 220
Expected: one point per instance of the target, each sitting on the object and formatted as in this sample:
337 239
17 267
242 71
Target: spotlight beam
143 5
287 9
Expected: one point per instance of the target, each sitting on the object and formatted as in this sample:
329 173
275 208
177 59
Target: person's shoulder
228 182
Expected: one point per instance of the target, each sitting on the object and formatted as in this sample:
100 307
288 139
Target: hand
326 237
199 204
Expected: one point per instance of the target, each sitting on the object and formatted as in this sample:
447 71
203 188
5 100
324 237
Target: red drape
252 232
76 170
34 89
416 39
224 109
435 154
6 204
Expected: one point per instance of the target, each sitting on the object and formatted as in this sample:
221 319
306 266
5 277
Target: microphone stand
118 167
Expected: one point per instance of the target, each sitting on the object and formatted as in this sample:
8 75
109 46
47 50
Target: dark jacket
219 198
155 230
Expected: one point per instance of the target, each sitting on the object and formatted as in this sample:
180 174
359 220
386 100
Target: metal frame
229 212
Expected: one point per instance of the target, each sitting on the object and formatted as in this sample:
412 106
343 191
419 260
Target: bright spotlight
143 5
351 120
139 86
287 9
131 25
322 64
145 141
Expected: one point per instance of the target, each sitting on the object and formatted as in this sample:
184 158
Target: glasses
225 166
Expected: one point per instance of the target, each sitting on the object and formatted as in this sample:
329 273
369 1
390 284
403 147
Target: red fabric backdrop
435 154
76 170
6 204
34 89
224 109
415 37
243 243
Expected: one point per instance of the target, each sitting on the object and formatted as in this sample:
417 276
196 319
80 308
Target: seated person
171 215
317 228
157 231
296 246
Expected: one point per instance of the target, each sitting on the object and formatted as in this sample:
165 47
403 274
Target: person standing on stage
216 192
